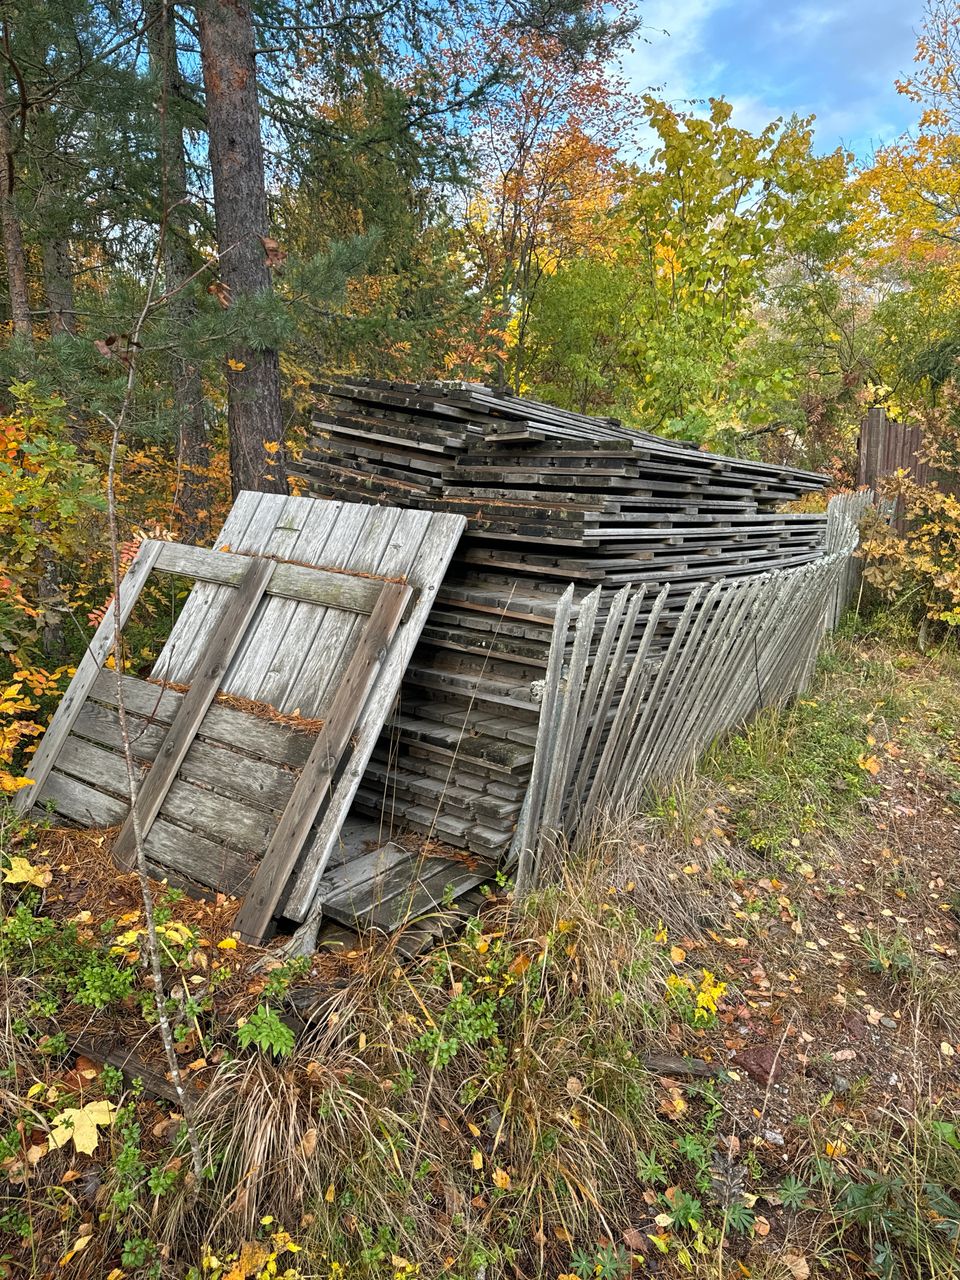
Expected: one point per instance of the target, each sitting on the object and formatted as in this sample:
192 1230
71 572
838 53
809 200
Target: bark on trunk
240 203
193 447
12 235
58 286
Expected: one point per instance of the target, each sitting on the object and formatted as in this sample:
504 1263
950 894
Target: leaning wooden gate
242 796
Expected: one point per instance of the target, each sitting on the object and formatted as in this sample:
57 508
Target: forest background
205 206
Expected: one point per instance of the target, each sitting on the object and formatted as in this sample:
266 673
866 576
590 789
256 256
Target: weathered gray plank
243 731
223 644
424 571
315 780
196 856
529 824
258 522
87 671
316 669
225 820
251 520
307 539
292 581
254 781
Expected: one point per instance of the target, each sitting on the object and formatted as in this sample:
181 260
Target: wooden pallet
250 799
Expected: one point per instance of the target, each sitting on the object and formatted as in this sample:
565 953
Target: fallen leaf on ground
81 1124
20 871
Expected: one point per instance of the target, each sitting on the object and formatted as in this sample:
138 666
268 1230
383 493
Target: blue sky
773 57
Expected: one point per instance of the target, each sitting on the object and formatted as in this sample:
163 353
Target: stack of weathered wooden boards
550 498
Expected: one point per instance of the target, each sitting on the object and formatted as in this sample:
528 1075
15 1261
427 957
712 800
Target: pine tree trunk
193 448
58 285
12 235
240 204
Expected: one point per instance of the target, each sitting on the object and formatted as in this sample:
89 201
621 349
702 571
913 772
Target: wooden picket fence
615 720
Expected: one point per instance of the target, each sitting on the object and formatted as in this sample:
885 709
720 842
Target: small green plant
265 1030
607 1263
280 979
740 1218
891 955
650 1170
793 1192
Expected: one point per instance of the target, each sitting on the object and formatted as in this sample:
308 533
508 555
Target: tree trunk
193 447
12 236
58 285
240 204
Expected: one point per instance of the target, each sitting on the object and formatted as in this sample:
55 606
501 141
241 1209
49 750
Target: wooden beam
281 857
86 674
293 581
221 648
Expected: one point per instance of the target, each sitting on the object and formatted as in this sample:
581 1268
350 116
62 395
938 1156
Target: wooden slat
225 820
292 581
258 522
241 731
196 858
270 663
86 674
258 782
433 539
314 784
223 645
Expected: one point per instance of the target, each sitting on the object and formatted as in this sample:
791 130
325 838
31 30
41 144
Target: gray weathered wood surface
196 702
324 639
737 647
317 775
87 672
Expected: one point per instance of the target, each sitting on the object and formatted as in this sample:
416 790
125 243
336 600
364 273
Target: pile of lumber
551 498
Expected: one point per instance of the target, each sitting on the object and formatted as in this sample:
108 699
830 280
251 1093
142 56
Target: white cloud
671 55
793 56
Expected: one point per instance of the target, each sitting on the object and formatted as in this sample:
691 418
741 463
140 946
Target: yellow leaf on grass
476 1159
227 944
836 1150
237 366
80 1124
330 1194
677 955
253 1258
501 1179
78 1246
870 763
20 871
